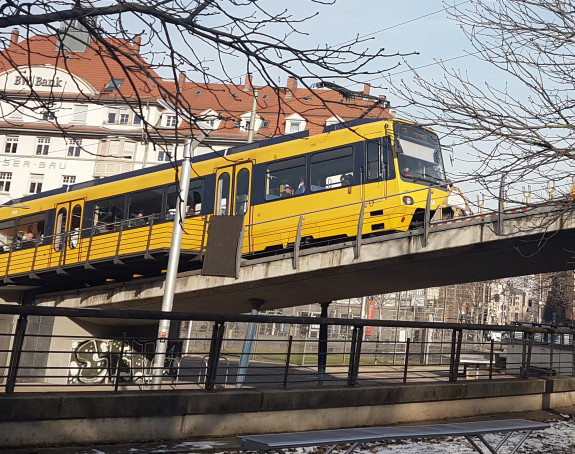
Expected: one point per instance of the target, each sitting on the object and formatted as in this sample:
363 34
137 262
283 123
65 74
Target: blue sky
405 26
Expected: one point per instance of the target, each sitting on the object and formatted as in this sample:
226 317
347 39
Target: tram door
233 187
67 227
377 169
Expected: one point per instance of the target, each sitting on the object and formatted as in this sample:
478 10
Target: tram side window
6 235
194 202
331 169
109 211
285 178
143 204
31 227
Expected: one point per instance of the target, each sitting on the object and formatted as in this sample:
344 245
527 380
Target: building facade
72 112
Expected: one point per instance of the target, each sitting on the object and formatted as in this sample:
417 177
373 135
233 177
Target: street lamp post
172 270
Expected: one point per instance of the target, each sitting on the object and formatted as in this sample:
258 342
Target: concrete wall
28 420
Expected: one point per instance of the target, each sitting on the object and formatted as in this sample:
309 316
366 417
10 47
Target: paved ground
559 439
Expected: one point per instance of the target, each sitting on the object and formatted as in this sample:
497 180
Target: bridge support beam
248 344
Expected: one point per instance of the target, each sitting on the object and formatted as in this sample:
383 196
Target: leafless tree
203 38
559 303
521 121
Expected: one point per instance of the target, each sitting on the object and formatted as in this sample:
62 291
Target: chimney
14 37
137 43
181 81
292 85
248 82
366 88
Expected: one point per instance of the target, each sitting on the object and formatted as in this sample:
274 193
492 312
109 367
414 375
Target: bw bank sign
44 78
38 81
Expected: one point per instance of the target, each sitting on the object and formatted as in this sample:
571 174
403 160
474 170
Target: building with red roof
74 111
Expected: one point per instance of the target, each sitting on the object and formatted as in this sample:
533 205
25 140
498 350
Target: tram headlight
407 200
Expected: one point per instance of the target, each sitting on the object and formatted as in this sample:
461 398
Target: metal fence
306 352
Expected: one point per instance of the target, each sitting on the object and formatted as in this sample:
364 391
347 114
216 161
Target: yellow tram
376 172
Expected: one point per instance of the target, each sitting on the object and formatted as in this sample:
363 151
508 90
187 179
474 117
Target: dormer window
294 126
171 121
245 122
114 84
295 123
199 92
209 120
333 120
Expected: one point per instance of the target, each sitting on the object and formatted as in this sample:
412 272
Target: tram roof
204 157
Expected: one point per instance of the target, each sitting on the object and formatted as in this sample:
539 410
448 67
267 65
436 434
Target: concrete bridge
481 247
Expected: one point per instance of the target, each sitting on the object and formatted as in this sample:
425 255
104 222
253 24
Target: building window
36 181
80 113
11 145
294 126
43 145
137 120
171 121
265 124
74 148
5 180
294 123
48 115
114 84
164 155
68 180
118 116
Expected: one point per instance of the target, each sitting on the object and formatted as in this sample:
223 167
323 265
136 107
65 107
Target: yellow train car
375 175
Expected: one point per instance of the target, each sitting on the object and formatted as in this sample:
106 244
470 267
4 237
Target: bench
476 364
533 371
333 438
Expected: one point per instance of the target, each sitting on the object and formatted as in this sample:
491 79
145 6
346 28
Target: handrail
12 309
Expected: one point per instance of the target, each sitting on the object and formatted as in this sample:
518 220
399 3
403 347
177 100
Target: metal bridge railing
33 358
346 222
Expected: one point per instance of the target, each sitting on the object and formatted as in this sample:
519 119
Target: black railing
118 353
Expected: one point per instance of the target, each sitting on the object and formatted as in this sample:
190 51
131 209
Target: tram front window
419 155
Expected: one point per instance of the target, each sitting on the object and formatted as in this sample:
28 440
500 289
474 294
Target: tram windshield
418 154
